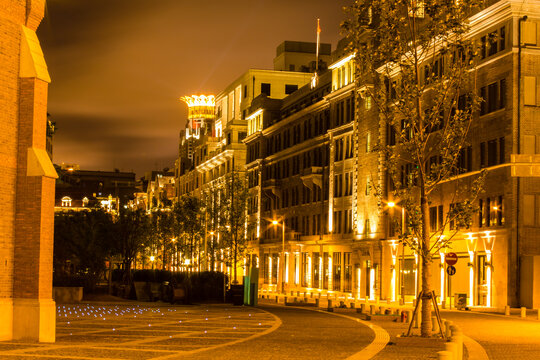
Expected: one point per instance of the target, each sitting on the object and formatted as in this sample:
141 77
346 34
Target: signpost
451 259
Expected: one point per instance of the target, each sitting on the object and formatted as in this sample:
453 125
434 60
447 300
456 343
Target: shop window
347 272
315 279
336 278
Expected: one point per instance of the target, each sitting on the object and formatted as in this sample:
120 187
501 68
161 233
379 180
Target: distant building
85 189
159 189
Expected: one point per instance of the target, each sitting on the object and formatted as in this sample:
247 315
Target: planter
67 294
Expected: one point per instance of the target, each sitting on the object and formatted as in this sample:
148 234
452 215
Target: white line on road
381 338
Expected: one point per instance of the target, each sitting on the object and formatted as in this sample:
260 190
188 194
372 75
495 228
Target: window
336 261
265 89
315 279
436 218
494 97
289 89
492 152
464 163
481 220
347 267
493 43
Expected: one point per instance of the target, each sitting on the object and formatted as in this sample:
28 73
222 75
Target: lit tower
200 115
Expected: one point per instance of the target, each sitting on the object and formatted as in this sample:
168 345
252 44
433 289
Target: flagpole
317 51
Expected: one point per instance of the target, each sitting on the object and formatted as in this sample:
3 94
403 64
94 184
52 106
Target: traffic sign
451 270
451 258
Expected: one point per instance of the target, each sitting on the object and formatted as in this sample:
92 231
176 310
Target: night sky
118 67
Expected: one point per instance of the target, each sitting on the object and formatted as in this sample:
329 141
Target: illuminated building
301 171
85 189
207 159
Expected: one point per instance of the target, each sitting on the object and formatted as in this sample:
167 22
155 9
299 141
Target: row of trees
193 234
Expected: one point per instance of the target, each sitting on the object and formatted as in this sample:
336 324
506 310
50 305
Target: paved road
304 334
143 331
502 337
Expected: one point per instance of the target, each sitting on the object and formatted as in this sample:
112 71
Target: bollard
523 312
451 347
445 355
382 310
447 325
417 321
408 318
316 302
363 308
434 324
388 301
329 306
352 305
294 299
507 310
372 310
284 300
277 299
457 338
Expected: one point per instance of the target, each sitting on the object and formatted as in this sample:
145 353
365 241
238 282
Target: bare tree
416 62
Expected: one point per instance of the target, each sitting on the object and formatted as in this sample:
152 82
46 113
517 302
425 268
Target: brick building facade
26 178
341 243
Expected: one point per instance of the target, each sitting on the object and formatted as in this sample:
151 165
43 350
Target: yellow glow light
152 258
274 222
391 204
199 100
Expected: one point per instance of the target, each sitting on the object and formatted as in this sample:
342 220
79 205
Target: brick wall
26 220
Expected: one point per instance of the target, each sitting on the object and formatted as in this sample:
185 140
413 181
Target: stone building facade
323 220
27 178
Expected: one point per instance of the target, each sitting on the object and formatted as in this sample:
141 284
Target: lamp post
391 205
275 222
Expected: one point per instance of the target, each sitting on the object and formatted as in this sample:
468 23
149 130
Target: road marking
274 327
381 338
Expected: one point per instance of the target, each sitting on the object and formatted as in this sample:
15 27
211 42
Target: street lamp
391 205
275 222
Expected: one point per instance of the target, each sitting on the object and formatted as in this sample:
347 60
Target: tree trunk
425 329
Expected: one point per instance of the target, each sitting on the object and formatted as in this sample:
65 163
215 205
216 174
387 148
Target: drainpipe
518 182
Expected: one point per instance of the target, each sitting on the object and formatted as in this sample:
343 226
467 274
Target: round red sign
451 258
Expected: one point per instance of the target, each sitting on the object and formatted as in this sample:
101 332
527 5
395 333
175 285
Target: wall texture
26 178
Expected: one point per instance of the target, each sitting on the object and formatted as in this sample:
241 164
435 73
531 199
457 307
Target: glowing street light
283 272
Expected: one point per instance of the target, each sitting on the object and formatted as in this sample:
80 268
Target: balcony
312 176
272 186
